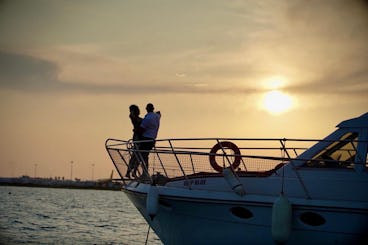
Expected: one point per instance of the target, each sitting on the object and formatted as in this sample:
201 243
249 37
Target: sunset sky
214 68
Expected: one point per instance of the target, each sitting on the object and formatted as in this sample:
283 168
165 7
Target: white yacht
252 191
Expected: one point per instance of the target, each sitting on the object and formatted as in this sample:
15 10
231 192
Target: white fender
152 201
281 219
233 181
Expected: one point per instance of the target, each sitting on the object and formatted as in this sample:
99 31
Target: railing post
284 147
296 171
162 165
191 160
181 168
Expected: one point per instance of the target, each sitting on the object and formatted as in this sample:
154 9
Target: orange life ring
228 145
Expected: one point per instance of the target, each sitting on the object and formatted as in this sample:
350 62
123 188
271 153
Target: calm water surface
69 216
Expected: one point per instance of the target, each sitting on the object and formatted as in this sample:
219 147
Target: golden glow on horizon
276 102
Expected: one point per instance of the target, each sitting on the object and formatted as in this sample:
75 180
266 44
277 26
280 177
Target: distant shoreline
26 181
61 187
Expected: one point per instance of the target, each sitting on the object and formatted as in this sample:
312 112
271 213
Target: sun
277 102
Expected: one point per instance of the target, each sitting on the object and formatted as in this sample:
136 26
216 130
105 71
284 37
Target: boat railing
174 159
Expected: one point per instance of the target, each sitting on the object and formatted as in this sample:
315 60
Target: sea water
30 215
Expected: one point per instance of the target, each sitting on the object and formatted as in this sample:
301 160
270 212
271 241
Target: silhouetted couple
145 131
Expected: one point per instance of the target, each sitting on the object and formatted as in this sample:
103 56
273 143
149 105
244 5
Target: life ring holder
223 145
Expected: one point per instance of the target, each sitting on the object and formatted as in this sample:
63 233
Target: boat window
311 218
241 212
340 153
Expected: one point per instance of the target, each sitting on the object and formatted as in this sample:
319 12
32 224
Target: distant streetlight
71 170
35 170
93 166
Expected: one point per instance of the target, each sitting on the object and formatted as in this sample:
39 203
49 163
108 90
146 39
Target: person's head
150 107
134 109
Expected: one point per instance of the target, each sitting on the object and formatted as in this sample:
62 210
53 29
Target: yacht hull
183 220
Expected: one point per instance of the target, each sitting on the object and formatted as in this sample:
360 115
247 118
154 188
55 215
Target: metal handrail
123 149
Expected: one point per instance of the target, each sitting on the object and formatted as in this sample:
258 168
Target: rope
149 227
283 174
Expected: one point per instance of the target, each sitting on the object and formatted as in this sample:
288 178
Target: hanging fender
152 201
281 219
233 180
224 145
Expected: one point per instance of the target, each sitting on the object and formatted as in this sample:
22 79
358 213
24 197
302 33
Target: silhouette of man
149 126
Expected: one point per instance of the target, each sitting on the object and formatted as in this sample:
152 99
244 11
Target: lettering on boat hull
195 182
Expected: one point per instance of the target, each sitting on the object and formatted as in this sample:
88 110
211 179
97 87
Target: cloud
28 73
22 72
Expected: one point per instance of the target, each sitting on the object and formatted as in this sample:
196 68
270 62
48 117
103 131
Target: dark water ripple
69 216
